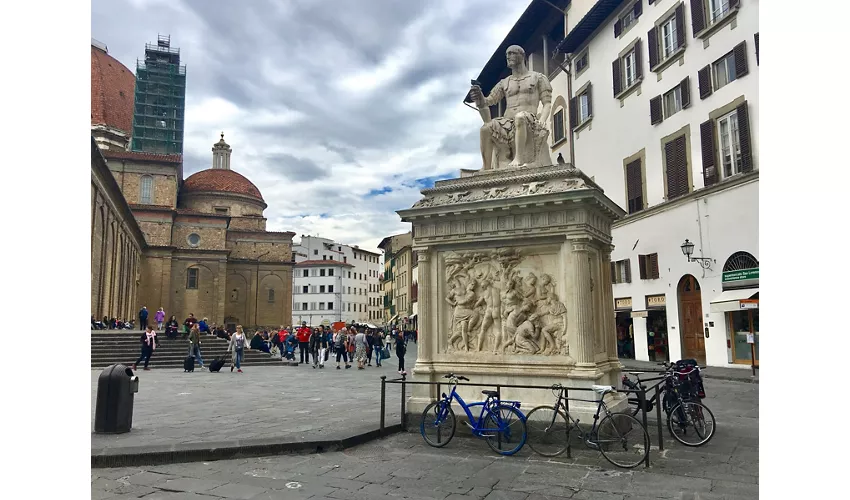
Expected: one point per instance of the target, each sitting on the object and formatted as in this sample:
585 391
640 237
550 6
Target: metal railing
641 394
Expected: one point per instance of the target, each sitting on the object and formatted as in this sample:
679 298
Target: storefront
625 328
658 347
739 303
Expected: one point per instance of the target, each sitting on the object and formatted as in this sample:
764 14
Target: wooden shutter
733 4
685 88
677 168
652 40
628 266
642 266
680 25
638 58
589 93
697 16
655 112
741 67
573 111
704 78
653 267
744 138
634 186
638 8
756 37
709 161
613 272
615 66
618 28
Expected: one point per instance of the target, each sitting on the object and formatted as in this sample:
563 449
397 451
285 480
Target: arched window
146 190
740 260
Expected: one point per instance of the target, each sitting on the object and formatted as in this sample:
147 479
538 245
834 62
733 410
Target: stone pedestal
515 285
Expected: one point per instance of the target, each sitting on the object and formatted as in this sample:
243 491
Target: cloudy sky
340 111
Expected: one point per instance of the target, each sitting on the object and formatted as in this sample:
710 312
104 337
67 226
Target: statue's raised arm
518 137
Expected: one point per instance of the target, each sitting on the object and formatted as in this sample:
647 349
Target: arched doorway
690 319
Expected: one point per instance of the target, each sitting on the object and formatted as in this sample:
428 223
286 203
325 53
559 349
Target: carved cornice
508 177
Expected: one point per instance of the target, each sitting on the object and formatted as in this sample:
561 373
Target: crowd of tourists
316 346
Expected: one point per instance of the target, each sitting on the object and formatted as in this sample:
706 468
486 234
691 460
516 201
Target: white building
335 282
660 107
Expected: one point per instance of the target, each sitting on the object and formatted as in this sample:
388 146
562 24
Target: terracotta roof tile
112 88
137 155
221 180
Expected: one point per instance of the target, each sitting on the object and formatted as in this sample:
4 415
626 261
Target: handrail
641 394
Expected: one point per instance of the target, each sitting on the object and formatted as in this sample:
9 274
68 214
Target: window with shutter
676 167
653 267
628 271
685 90
745 138
741 67
618 84
634 186
642 261
709 168
558 126
613 272
704 79
756 37
655 110
673 101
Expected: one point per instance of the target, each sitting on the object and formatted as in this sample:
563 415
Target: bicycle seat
602 389
490 393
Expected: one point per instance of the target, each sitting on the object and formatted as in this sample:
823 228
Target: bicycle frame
475 424
573 423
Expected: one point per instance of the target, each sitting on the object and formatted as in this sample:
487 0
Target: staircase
111 347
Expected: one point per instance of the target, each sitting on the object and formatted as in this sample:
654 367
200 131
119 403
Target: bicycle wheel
438 424
504 429
691 423
623 440
547 431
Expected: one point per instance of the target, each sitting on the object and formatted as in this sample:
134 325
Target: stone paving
402 466
288 402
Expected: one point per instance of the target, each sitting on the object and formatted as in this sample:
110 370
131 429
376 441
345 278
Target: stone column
609 325
583 306
427 338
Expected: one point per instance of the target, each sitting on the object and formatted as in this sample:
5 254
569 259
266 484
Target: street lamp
688 250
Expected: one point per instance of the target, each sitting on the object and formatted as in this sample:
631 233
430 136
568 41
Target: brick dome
112 87
222 181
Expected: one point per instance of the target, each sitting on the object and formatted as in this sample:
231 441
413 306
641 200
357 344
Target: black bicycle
620 437
690 422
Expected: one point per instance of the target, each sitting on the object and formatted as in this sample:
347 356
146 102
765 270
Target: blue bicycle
500 422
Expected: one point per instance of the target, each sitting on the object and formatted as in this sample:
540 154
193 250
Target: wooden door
690 319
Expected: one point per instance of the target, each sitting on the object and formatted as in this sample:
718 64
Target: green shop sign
741 275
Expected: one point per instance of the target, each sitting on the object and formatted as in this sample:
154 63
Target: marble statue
494 305
519 136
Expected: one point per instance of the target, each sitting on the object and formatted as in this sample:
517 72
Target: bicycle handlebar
452 375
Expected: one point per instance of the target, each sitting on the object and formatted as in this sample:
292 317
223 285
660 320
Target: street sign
741 275
749 304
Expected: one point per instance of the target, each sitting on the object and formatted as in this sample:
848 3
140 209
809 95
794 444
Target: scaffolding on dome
160 100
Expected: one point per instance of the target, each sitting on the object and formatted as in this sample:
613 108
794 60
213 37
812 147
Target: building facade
398 280
356 290
658 102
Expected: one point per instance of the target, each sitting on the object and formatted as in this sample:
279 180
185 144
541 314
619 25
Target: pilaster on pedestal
583 305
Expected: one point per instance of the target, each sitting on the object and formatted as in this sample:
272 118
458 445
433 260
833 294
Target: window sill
716 25
677 55
583 124
559 143
635 86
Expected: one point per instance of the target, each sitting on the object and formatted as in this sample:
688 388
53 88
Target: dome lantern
221 154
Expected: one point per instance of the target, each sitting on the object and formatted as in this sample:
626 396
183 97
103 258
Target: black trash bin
116 387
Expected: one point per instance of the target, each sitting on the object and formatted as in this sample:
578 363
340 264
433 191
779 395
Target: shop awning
730 300
392 320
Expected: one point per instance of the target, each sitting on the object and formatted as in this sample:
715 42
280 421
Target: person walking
303 335
148 340
370 348
341 348
159 317
360 346
195 345
143 318
378 348
400 350
318 346
237 347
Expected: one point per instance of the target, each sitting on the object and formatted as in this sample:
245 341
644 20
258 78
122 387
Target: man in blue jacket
143 318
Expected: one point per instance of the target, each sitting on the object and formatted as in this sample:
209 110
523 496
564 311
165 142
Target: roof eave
584 29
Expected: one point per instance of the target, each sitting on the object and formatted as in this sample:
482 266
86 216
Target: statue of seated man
520 134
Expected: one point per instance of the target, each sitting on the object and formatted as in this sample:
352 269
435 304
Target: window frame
686 133
271 295
735 139
558 121
675 91
632 53
193 278
583 56
725 60
669 21
146 184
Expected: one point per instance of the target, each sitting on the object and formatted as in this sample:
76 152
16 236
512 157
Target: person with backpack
148 340
318 346
195 345
341 348
237 347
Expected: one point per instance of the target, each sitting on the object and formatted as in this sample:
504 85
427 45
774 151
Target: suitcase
217 364
189 364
